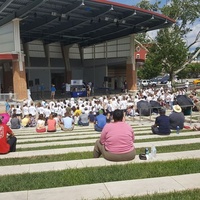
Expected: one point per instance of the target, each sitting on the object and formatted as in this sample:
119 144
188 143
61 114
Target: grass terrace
36 150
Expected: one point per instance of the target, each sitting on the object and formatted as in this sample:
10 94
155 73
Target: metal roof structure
86 22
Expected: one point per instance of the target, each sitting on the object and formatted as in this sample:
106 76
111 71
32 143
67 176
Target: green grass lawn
184 195
87 155
70 177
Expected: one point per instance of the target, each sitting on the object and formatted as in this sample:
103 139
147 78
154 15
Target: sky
190 37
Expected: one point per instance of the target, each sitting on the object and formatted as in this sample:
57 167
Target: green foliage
142 38
148 6
192 70
171 51
148 70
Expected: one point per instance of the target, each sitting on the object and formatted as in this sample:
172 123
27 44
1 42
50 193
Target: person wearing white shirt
25 110
47 112
32 110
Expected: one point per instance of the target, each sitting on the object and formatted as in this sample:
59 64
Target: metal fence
193 116
9 96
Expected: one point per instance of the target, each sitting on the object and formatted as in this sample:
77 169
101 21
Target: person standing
63 88
187 85
162 124
7 144
7 105
53 91
116 142
125 86
42 90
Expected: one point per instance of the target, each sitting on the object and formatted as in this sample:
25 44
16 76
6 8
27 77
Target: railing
9 96
187 110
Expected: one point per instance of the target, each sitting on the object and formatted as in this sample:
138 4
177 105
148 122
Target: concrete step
93 135
111 189
137 145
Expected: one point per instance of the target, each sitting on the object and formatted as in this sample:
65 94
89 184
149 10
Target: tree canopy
169 51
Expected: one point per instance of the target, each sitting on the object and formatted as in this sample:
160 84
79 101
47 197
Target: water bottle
153 151
177 130
147 153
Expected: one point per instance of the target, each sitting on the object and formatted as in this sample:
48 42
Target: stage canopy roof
86 22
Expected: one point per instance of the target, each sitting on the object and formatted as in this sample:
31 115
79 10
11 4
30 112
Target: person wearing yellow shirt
77 112
25 121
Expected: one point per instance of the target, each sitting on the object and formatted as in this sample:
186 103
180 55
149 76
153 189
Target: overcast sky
190 37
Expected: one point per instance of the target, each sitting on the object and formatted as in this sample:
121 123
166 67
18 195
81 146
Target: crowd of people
107 113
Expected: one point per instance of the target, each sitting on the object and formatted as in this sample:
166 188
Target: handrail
8 96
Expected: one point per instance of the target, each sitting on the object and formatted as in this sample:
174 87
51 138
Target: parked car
153 82
144 83
164 79
196 81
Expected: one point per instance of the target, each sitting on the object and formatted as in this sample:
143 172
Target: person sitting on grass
67 122
99 121
83 119
32 121
116 142
25 121
15 122
196 128
40 127
162 124
51 124
176 118
7 144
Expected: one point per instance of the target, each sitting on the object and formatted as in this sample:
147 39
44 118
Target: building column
19 80
131 70
68 72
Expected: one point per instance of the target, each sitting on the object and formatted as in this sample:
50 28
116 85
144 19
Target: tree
170 47
148 70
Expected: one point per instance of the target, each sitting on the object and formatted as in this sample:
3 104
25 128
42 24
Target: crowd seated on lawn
85 111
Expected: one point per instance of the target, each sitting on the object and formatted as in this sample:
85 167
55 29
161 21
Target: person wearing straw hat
176 118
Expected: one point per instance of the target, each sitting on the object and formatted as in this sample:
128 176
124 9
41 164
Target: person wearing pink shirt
116 142
51 124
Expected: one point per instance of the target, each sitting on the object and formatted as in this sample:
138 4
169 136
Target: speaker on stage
37 81
107 79
30 83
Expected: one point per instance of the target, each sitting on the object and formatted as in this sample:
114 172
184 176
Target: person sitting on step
116 142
